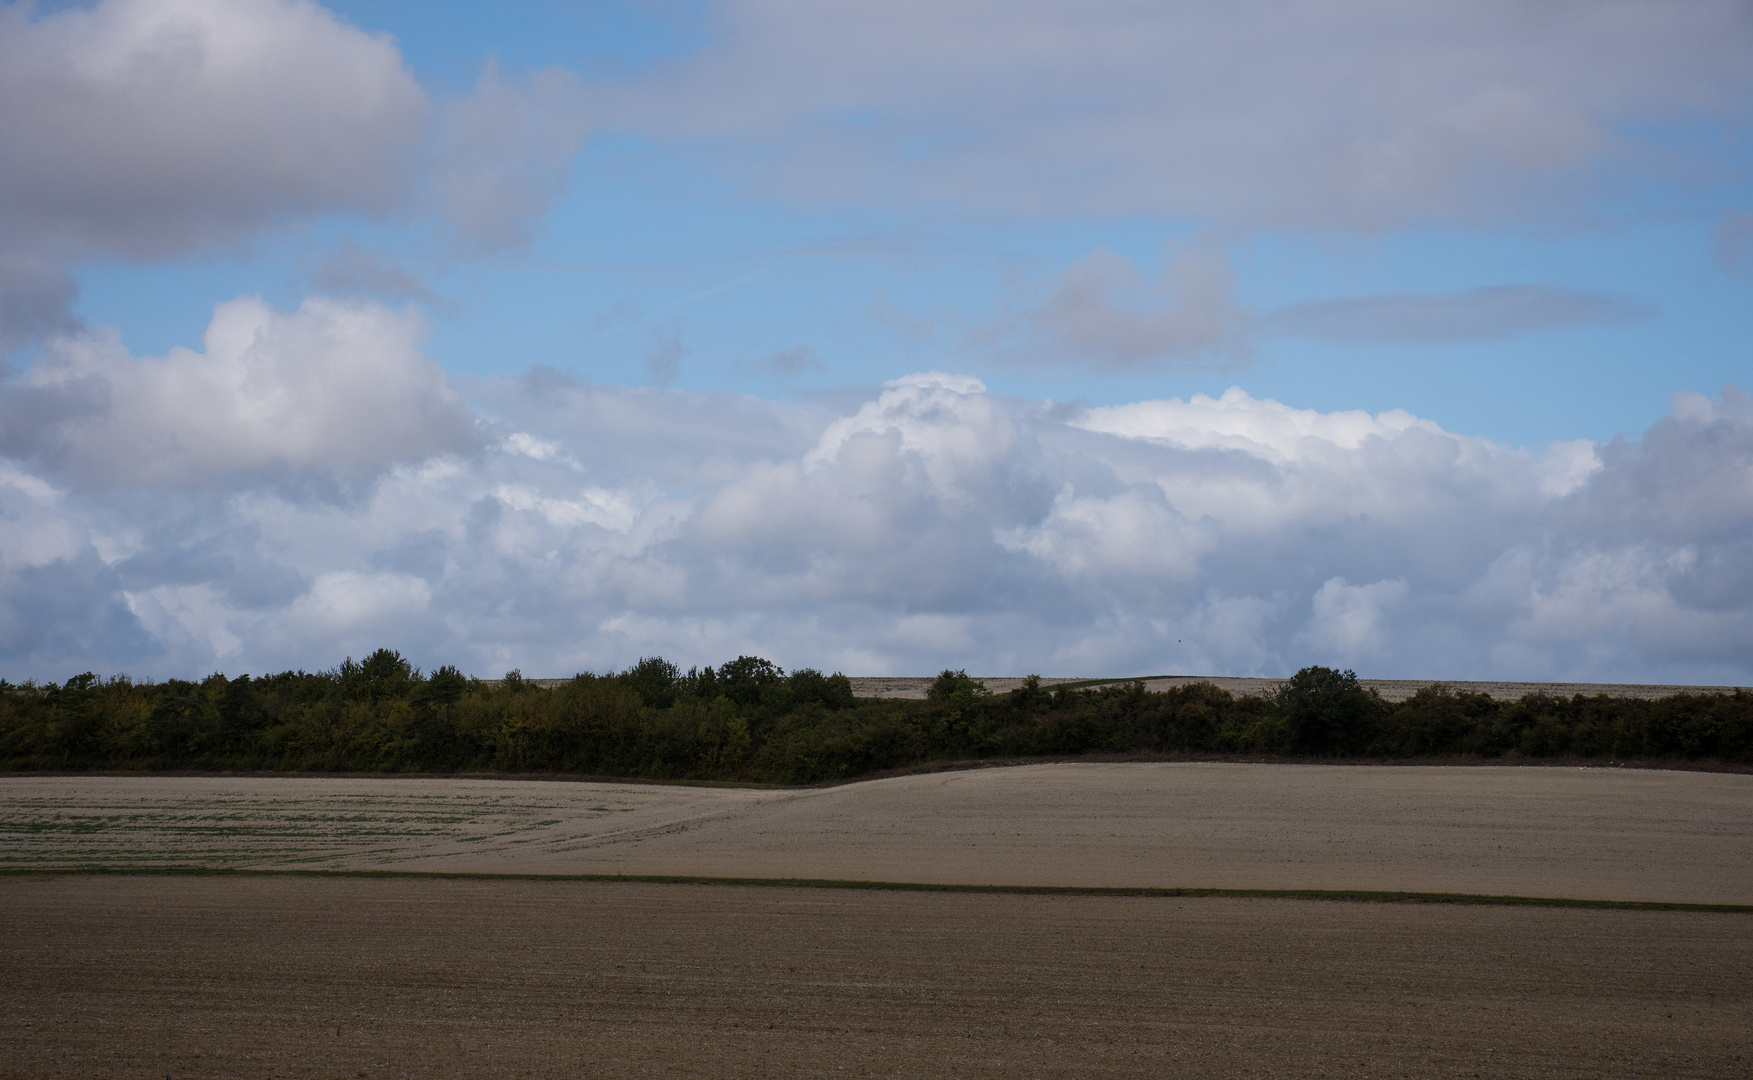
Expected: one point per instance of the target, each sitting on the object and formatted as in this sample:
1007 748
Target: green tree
1326 711
654 680
956 687
747 678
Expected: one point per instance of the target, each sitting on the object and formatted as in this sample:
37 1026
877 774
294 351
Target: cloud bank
557 526
1345 114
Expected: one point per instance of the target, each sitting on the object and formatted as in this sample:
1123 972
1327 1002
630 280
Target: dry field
349 977
1610 834
148 975
897 686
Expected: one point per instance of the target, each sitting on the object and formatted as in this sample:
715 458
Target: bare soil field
345 977
894 686
1598 834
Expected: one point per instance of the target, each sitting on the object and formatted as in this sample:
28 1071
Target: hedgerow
748 720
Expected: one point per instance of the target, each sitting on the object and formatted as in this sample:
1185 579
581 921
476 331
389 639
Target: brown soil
347 977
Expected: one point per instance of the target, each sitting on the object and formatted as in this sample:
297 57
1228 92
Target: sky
1093 338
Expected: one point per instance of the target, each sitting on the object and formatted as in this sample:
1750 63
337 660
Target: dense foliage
750 721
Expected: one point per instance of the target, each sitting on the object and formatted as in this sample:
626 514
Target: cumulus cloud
1484 314
146 128
1350 114
336 388
935 523
1347 621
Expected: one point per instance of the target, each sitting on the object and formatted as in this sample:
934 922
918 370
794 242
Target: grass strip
1365 896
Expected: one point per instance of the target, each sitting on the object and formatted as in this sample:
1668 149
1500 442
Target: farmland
211 926
1604 834
349 977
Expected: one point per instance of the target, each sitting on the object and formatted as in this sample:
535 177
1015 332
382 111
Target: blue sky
646 235
1522 227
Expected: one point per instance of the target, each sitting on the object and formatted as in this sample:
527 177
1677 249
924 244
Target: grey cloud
934 523
1733 242
505 153
664 346
1103 313
787 363
1688 480
1352 114
1483 314
664 353
36 298
353 270
905 324
145 129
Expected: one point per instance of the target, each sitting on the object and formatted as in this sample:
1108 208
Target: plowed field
349 977
149 974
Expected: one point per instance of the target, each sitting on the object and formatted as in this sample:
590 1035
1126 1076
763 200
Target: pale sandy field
1604 834
894 686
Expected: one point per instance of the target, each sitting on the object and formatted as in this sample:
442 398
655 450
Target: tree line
750 721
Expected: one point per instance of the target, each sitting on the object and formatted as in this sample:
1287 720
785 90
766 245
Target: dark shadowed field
350 977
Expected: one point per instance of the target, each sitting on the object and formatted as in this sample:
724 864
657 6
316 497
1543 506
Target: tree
746 678
830 691
1326 711
654 680
446 685
955 686
240 712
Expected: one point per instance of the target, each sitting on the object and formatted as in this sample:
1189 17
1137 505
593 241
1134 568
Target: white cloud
334 388
193 616
936 524
145 128
347 600
1258 427
1359 114
1127 541
1348 619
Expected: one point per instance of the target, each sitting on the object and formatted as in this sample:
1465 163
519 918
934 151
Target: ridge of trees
748 720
